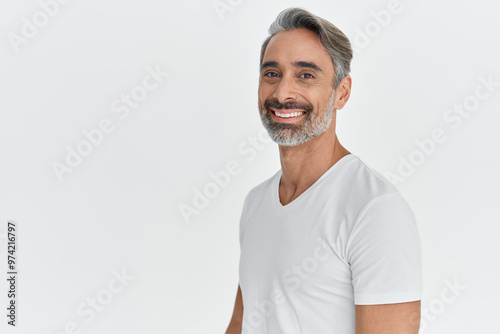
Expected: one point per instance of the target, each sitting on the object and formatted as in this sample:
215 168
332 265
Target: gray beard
312 126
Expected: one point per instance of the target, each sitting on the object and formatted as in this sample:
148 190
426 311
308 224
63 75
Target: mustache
275 104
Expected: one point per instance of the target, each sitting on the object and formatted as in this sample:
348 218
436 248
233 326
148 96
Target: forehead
290 46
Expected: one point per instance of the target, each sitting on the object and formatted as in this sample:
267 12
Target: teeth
288 115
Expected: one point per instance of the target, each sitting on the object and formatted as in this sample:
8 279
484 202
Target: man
328 245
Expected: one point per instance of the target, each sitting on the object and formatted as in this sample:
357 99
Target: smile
285 114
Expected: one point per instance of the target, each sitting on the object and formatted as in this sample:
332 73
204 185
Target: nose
285 90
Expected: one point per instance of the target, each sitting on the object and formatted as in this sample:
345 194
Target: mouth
287 114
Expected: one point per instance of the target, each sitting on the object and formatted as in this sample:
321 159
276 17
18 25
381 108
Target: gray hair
335 41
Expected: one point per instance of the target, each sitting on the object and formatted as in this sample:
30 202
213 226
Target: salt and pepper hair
335 41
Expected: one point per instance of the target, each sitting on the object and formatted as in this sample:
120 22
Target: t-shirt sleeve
384 253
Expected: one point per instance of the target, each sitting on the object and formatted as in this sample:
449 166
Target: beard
286 134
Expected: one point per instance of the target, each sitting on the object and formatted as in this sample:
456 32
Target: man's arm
401 318
237 319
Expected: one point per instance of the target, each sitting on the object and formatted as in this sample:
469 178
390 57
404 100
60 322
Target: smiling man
328 245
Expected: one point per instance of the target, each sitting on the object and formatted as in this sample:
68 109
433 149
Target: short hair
332 38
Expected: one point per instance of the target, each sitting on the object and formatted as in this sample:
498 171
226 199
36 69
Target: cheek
265 90
325 99
262 95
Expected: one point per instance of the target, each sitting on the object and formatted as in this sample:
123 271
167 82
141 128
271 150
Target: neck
304 164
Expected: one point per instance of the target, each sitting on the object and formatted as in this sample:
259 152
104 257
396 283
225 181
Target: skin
237 319
303 164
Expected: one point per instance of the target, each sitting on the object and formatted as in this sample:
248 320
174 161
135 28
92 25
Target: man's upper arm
400 318
384 255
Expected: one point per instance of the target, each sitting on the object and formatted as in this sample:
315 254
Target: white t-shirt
349 239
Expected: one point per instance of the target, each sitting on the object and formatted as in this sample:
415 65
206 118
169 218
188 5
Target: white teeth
288 115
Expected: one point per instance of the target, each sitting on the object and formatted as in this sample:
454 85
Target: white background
119 208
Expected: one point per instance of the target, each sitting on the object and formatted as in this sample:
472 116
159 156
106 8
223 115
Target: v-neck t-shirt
349 239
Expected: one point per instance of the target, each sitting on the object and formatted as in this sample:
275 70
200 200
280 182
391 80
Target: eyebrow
304 64
268 64
307 65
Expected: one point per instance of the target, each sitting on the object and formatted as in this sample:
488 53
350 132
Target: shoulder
353 185
363 178
380 211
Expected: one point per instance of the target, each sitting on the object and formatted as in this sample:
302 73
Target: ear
343 92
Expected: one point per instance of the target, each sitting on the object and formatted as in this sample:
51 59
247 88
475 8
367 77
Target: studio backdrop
130 137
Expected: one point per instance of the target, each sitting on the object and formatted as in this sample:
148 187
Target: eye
271 74
306 76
